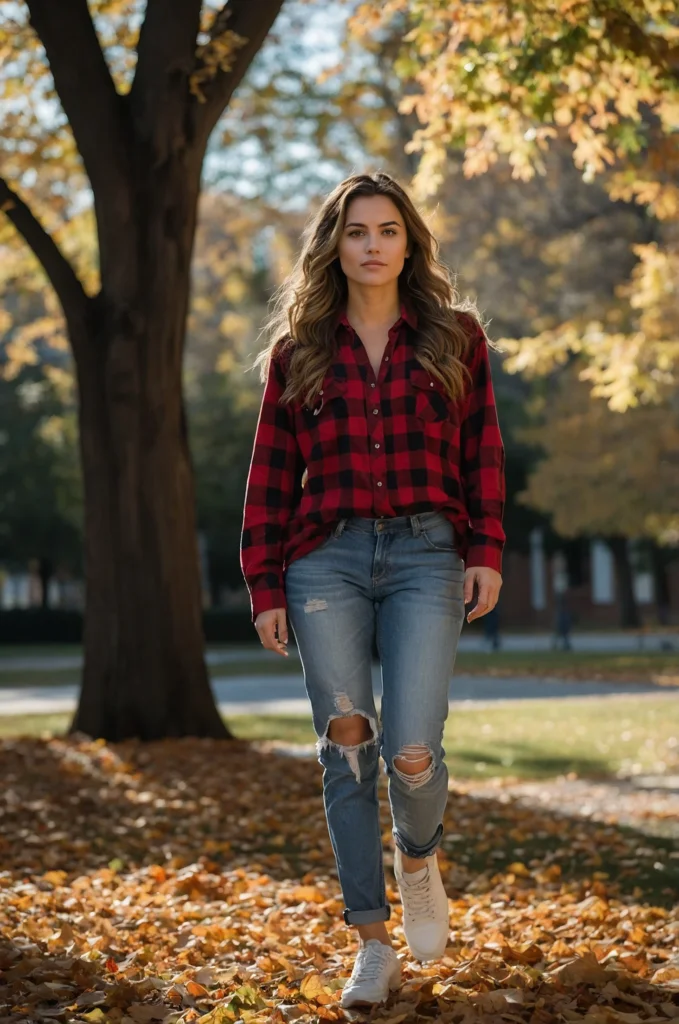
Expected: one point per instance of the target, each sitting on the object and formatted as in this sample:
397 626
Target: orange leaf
194 989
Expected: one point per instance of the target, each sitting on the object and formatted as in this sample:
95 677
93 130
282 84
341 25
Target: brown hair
301 325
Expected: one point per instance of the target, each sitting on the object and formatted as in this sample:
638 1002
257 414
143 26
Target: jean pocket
332 538
439 535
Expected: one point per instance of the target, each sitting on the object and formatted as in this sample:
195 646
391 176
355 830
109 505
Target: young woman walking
373 509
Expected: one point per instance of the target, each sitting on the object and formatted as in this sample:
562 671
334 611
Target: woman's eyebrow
355 224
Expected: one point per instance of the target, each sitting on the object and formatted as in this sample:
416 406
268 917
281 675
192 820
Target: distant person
378 382
491 628
563 621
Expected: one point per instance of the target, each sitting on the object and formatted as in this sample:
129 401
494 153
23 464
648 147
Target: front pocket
440 536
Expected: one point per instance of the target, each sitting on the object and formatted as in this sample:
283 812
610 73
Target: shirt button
372 385
321 391
386 359
379 483
375 412
377 446
431 385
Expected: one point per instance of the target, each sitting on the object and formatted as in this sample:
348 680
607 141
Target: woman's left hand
489 582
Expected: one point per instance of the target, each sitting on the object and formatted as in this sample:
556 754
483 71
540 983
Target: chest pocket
431 401
325 403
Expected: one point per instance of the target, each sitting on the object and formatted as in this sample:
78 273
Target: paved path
599 642
285 695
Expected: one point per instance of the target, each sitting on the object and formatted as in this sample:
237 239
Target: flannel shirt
393 445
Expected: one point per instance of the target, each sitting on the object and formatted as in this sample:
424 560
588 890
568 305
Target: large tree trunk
629 611
144 671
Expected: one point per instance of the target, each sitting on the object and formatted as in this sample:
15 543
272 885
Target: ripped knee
414 765
349 731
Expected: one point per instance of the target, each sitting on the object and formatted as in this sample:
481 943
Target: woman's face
373 243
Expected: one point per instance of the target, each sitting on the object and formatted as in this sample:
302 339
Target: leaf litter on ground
193 881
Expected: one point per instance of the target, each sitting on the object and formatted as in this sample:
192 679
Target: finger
266 635
469 586
481 606
484 596
478 611
279 634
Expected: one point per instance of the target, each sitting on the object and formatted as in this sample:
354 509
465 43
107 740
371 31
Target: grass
651 666
530 739
656 666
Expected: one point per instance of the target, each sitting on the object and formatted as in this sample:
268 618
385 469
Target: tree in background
608 475
504 83
242 252
137 96
40 489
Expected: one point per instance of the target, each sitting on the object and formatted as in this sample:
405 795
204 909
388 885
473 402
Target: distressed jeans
399 579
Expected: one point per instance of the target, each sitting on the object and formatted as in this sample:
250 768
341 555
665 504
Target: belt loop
415 525
340 527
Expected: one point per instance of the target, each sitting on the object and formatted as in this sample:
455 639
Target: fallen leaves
193 881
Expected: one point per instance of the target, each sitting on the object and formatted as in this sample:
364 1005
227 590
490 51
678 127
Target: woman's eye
357 231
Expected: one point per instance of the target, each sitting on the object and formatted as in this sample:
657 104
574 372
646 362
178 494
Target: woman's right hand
266 623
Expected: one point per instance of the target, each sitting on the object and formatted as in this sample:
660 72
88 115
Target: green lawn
654 666
660 666
536 739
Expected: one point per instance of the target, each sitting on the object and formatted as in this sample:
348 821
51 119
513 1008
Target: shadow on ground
79 805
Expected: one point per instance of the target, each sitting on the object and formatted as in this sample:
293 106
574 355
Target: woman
373 509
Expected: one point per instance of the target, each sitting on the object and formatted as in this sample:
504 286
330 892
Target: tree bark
144 672
629 610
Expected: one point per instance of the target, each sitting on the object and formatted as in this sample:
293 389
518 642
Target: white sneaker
425 908
377 970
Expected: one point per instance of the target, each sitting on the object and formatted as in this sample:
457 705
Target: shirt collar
406 313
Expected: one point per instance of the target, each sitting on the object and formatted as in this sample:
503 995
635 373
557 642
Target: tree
142 134
506 82
40 493
607 475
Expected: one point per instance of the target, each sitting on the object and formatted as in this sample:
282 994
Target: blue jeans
402 578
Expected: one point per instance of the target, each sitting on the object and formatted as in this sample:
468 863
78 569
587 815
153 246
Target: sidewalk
285 695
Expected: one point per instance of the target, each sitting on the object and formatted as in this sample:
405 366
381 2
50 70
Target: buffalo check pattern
391 445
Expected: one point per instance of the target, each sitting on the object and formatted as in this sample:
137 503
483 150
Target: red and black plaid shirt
393 445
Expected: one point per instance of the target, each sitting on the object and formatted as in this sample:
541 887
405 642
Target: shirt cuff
264 600
482 553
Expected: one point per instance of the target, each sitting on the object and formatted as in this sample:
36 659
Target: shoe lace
369 962
420 898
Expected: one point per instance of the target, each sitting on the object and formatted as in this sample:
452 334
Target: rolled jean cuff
366 916
418 851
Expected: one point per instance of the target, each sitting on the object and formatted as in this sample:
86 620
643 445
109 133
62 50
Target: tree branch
165 59
252 22
58 269
95 111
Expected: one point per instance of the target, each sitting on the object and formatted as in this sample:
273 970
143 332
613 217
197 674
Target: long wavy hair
301 326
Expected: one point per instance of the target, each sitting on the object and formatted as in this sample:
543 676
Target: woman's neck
371 310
